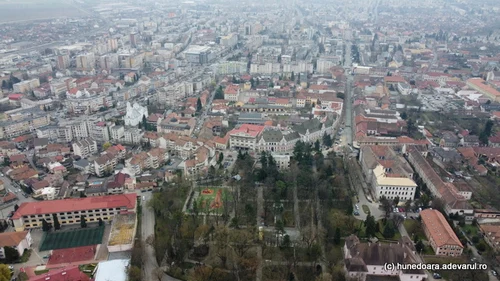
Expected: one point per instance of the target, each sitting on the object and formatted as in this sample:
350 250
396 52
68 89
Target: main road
150 265
348 94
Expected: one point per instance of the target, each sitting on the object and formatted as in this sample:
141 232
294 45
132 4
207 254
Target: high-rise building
62 61
133 39
112 44
108 61
85 61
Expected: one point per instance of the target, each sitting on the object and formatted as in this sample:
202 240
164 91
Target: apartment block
26 86
22 122
85 147
85 61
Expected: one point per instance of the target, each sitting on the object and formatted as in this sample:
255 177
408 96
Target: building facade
68 211
441 236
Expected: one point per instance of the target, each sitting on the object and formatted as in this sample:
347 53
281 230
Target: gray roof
292 136
40 141
272 135
250 115
312 125
81 163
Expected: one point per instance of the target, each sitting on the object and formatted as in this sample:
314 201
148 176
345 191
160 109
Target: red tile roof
78 204
439 229
12 239
248 129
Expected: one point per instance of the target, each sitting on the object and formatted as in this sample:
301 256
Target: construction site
122 234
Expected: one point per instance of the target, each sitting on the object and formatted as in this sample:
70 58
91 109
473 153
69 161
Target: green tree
336 237
83 222
57 225
327 140
404 115
101 222
219 94
144 122
350 208
263 159
198 105
386 205
341 95
16 207
286 241
419 246
396 201
11 254
221 158
410 126
486 133
370 225
106 145
5 274
317 146
292 77
389 230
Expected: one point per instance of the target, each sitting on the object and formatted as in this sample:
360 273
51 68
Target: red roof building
441 236
68 211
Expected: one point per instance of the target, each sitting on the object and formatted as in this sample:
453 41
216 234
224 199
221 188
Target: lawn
470 229
366 209
414 227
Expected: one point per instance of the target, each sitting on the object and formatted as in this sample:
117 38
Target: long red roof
78 204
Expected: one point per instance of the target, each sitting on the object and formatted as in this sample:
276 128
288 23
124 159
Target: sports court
71 255
212 200
72 238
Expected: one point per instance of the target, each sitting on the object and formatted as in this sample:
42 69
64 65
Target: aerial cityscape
257 140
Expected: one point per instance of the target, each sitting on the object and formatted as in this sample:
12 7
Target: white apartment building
133 136
117 132
105 164
100 131
85 147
